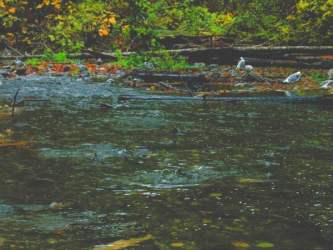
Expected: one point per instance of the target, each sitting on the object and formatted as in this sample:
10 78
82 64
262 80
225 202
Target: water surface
194 175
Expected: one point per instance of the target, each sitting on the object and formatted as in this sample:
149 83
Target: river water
194 175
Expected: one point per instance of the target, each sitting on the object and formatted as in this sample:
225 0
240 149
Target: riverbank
199 79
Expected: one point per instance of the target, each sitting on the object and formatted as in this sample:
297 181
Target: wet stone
6 210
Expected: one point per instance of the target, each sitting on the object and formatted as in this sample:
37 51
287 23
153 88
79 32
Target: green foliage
72 29
139 25
318 77
34 61
50 56
60 57
163 61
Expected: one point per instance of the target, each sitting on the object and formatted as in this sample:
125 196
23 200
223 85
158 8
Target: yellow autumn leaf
57 4
12 10
125 27
103 31
228 18
2 4
39 6
302 5
112 20
46 2
291 18
177 245
10 36
122 244
240 244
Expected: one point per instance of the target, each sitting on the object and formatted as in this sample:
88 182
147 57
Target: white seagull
326 84
293 78
241 63
248 69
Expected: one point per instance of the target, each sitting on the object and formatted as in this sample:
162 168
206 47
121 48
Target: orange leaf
122 244
103 31
327 57
91 67
12 10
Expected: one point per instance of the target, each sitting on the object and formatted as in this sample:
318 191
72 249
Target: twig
13 49
14 101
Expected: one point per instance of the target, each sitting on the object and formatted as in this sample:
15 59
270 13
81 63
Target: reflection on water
194 175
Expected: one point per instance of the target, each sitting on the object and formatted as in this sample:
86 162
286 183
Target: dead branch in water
14 101
155 76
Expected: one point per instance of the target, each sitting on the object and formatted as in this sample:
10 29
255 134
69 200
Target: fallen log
282 50
154 76
28 56
310 55
296 56
304 63
327 100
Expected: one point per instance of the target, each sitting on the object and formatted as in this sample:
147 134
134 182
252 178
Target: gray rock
119 74
213 67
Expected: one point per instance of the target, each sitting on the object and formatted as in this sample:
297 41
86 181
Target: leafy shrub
33 61
162 60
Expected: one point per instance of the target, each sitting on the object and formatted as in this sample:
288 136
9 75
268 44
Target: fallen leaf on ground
265 244
13 144
122 244
240 244
2 241
245 181
177 244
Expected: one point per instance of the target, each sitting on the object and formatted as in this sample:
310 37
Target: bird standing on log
241 63
328 83
248 69
293 78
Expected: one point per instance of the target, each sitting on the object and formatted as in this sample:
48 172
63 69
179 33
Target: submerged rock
6 210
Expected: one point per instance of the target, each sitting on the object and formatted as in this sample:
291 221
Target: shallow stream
194 175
